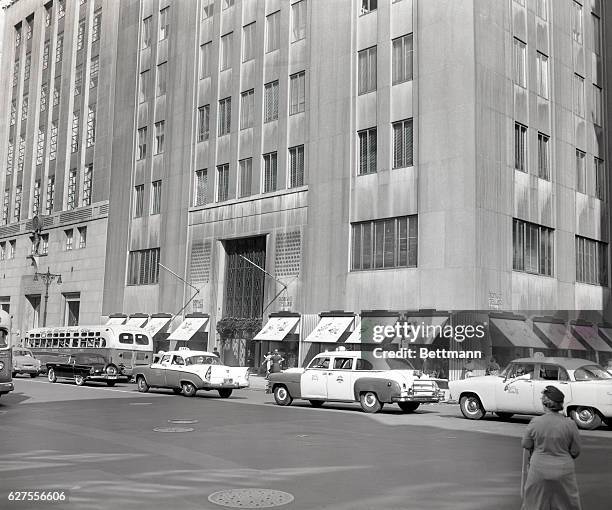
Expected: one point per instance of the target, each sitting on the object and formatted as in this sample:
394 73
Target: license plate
112 377
228 381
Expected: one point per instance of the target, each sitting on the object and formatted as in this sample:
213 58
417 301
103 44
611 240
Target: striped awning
277 328
330 329
188 328
156 324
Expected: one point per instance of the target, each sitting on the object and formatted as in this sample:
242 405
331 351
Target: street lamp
47 279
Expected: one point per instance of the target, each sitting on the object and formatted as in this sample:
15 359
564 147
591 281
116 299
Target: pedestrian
216 352
276 359
553 443
493 367
268 362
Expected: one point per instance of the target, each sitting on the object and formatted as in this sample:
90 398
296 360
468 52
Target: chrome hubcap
282 394
472 406
370 400
585 415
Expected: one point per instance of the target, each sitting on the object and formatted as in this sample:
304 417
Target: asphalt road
99 444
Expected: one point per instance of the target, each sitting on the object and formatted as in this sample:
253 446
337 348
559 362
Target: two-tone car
24 362
84 367
355 376
186 371
518 390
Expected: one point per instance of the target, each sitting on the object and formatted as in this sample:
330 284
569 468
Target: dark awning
560 335
515 331
589 335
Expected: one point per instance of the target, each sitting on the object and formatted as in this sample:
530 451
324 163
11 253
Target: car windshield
90 359
591 372
202 360
3 337
22 353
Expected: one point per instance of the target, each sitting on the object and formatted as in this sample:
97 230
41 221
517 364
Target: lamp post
47 279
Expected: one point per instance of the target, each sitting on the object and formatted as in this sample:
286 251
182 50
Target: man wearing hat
553 442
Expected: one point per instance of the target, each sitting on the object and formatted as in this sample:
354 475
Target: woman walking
553 442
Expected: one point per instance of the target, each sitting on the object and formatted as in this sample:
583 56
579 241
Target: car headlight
1 365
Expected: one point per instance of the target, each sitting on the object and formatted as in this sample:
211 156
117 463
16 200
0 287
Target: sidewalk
257 382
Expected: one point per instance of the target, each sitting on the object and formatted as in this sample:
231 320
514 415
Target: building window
72 306
69 239
402 59
45 62
87 184
226 50
24 107
297 92
541 9
600 179
200 187
246 177
12 249
36 198
146 32
577 22
227 4
225 115
44 244
3 251
520 147
78 79
56 95
156 189
82 237
91 125
143 267
247 109
18 35
48 14
203 123
61 8
248 42
270 172
164 25
579 95
74 144
81 34
97 25
93 71
520 67
160 128
272 31
17 208
271 97
543 157
142 143
205 67
13 112
367 151
27 66
591 261
581 184
44 96
21 153
40 146
16 73
143 86
403 144
298 20
368 6
542 77
382 244
59 47
138 200
367 70
596 34
207 8
6 206
28 25
532 248
71 203
50 194
296 166
222 182
161 78
597 105
10 156
53 141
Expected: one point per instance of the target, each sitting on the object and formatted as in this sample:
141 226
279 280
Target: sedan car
185 371
83 367
24 362
518 389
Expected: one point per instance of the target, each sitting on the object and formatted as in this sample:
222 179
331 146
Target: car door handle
339 378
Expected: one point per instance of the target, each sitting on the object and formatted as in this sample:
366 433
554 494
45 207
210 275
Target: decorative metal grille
288 253
200 261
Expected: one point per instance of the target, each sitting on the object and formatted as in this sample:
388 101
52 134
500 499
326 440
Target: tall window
21 153
541 9
205 66
81 34
24 107
597 105
10 156
74 142
271 97
270 172
200 187
91 125
203 123
50 194
272 31
18 35
138 200
44 96
296 166
298 20
87 184
69 239
207 8
146 32
579 95
97 25
143 86
93 71
56 94
162 70
581 184
297 92
577 22
53 141
82 237
222 182
27 66
367 70
36 198
543 157
225 115
59 47
142 143
402 59
248 42
368 6
48 14
40 149
596 34
29 25
156 188
160 128
520 67
367 151
246 177
17 209
78 79
227 50
13 111
45 62
591 261
600 179
5 206
383 244
143 267
247 109
520 147
61 8
71 203
542 70
402 144
164 23
532 248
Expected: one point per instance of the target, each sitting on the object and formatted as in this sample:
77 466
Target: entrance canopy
278 327
156 323
330 329
590 336
516 332
559 334
192 324
116 319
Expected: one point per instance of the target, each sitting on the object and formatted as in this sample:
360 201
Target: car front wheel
142 385
369 402
189 390
471 407
408 407
51 376
586 418
281 396
225 392
79 380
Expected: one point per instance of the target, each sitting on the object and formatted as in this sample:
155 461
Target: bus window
75 342
3 338
141 356
103 342
141 339
126 338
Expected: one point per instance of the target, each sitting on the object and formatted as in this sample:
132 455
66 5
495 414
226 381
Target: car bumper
221 386
27 370
6 387
416 399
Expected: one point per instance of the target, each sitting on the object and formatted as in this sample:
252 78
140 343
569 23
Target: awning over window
189 327
605 332
330 329
426 328
137 321
560 335
156 324
515 331
364 331
277 328
590 336
116 320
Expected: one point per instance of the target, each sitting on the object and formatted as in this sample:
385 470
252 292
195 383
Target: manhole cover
250 498
182 422
141 403
173 429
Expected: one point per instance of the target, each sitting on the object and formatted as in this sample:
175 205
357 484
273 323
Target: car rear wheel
51 376
316 403
505 416
471 407
225 392
281 396
189 390
369 402
586 418
79 379
408 407
142 385
34 375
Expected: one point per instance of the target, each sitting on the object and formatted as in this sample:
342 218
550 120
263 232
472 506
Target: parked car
355 376
83 367
24 362
186 371
50 357
517 390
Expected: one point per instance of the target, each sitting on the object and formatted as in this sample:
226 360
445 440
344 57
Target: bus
123 347
6 362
